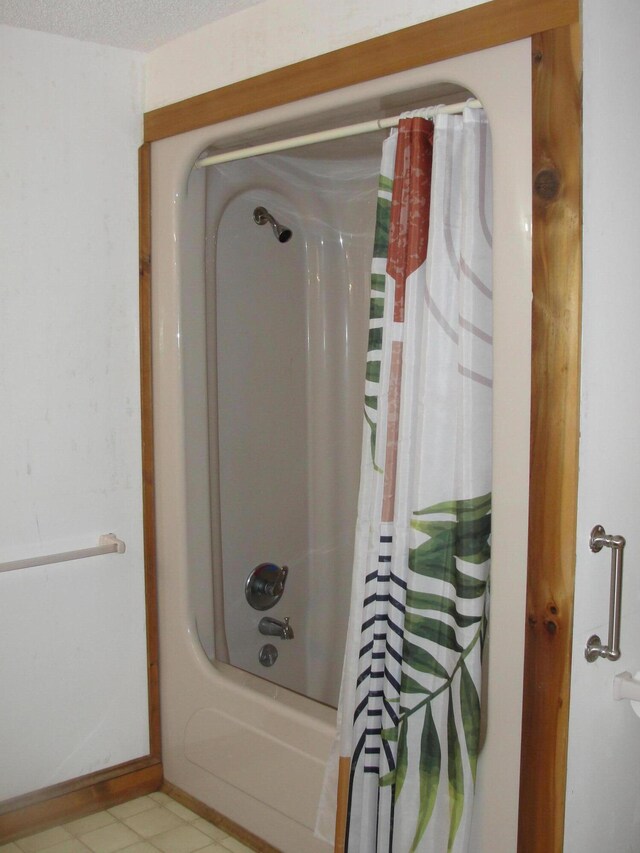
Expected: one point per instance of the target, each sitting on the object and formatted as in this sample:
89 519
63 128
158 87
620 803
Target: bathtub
252 749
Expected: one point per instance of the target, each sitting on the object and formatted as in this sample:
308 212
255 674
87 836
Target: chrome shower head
261 216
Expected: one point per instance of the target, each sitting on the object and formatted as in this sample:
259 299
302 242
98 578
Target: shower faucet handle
265 585
276 587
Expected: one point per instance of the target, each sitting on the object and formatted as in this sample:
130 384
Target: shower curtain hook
434 111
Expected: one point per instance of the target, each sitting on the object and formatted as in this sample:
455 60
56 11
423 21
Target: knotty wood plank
477 28
554 437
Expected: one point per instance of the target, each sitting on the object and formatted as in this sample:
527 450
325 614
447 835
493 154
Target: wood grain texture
344 772
67 801
213 816
554 437
148 490
477 28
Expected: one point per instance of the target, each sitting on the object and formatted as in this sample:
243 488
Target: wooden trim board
555 396
477 28
67 801
344 772
148 488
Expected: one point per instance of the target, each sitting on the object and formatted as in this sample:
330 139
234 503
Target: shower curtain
410 699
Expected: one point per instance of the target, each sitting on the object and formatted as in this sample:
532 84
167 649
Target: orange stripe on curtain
409 227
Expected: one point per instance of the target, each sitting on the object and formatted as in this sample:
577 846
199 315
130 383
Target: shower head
261 216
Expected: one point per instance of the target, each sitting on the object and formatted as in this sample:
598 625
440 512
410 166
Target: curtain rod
322 136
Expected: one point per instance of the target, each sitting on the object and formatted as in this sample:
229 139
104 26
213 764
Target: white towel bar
107 544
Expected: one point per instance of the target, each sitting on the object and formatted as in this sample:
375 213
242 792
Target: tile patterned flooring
144 825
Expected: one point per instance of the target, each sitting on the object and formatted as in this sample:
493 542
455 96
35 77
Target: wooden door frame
553 26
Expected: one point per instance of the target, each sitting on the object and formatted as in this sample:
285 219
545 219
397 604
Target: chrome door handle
594 648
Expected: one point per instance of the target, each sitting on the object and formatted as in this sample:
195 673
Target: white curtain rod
323 136
107 544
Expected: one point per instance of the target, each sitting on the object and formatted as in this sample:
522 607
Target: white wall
273 34
603 795
72 636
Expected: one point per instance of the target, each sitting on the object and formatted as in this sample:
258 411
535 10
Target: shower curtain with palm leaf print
410 701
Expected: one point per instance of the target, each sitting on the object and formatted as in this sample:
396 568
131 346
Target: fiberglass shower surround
287 358
287 310
225 730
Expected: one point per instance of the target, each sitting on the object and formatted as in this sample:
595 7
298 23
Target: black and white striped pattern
378 692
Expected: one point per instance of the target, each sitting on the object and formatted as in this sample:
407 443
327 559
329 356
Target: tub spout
275 628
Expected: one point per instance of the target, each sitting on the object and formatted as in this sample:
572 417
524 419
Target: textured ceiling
134 24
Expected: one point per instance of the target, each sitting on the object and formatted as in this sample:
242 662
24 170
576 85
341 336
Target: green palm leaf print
436 650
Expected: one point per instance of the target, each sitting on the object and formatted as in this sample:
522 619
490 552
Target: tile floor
144 825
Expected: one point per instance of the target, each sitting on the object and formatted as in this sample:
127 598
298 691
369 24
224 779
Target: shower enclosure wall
287 337
252 749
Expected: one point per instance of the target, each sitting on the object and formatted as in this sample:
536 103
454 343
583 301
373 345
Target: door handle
594 648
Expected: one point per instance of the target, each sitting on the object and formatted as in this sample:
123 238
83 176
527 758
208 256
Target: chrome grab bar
594 648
